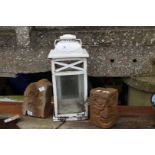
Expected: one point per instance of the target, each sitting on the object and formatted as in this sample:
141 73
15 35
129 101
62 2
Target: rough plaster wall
114 51
23 36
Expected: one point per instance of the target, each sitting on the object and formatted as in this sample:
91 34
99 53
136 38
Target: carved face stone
103 108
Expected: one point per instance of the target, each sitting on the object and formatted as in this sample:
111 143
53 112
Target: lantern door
70 91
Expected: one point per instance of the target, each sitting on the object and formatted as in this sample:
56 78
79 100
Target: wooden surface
147 122
130 118
133 111
15 108
11 108
10 125
122 123
27 122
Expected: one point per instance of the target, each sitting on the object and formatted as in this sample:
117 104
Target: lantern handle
57 40
79 40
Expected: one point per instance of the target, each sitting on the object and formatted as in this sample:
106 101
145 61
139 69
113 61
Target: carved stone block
103 107
37 99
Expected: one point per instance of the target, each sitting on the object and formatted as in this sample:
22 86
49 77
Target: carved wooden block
37 99
103 107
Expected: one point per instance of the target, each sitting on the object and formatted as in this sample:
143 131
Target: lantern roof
68 47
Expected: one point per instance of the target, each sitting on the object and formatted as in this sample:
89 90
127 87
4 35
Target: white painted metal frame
72 65
60 72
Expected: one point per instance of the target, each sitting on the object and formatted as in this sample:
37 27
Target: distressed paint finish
114 51
68 58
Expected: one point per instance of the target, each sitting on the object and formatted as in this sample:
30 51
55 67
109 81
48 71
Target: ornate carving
103 107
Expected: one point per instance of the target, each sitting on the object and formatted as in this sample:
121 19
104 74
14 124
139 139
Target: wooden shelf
129 111
130 117
11 108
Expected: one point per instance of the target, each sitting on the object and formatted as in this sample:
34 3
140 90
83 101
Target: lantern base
70 118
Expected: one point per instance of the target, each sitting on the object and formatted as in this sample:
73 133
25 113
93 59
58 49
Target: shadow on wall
17 86
110 82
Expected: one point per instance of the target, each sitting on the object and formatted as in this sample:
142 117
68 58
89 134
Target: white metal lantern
69 76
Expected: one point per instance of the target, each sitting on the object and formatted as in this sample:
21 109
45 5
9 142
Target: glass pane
70 94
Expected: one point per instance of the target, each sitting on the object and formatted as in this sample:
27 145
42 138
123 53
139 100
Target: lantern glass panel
70 94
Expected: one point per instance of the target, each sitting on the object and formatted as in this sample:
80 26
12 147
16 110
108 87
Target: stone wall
114 51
